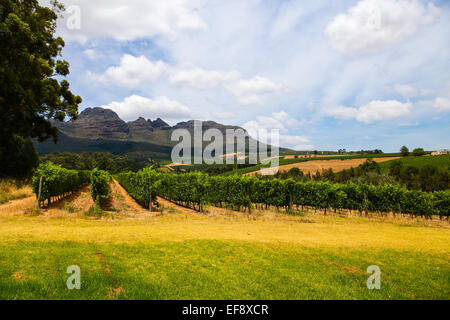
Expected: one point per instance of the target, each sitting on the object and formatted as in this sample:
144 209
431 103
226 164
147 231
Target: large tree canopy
30 92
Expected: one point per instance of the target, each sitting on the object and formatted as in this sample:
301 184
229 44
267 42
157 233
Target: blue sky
329 74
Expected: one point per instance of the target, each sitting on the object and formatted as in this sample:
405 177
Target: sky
328 74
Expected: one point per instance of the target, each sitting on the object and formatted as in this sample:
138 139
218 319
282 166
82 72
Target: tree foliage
418 152
426 178
100 160
404 151
30 92
18 158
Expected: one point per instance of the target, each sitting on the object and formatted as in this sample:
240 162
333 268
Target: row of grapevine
99 185
196 190
56 182
143 186
146 185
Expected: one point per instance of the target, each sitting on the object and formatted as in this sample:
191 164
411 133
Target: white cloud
426 92
282 116
341 112
409 124
439 104
131 20
136 106
373 111
91 54
405 90
382 110
252 91
199 78
296 142
373 25
223 115
260 128
284 42
132 71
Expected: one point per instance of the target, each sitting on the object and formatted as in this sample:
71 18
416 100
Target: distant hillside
102 130
441 162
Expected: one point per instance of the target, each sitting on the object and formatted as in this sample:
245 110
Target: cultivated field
419 162
337 165
176 253
312 156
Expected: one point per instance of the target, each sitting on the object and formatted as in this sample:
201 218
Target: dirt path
15 207
166 204
123 202
123 198
79 201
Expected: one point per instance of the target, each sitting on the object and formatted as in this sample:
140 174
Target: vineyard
127 253
419 162
52 183
195 190
99 185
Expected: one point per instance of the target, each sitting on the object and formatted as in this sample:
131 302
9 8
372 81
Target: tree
370 166
20 158
395 169
418 152
404 151
30 92
295 172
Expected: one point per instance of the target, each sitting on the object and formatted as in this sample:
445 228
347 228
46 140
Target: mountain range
102 130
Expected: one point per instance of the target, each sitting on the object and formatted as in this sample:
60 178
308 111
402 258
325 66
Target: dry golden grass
18 206
310 230
336 165
312 156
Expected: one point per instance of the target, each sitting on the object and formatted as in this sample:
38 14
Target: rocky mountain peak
160 124
94 123
97 112
189 125
140 127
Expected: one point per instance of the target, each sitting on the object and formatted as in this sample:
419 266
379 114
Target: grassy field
442 162
179 254
312 167
290 161
12 190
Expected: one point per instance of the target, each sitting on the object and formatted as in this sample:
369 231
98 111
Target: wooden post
150 200
290 200
39 192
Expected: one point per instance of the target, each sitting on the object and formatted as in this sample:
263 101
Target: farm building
440 152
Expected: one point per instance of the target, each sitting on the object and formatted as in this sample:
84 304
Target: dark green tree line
91 160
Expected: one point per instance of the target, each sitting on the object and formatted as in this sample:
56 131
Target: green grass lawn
182 257
442 162
208 269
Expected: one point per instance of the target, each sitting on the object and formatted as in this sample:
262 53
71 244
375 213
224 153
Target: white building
440 152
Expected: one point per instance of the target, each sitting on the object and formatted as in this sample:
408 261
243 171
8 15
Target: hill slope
102 130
